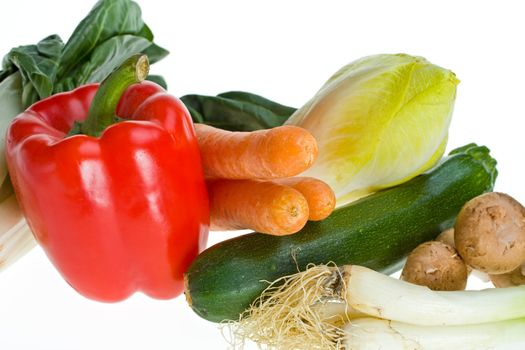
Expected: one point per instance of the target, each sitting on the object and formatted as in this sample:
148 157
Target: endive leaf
379 121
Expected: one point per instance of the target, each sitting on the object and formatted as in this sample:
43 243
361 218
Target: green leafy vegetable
110 33
158 80
109 18
104 59
37 65
237 111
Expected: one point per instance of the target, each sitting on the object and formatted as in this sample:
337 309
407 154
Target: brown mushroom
511 279
436 265
490 233
447 237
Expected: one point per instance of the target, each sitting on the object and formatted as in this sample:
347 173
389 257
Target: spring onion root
295 311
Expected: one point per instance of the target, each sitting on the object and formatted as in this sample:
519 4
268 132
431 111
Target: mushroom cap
447 237
436 265
511 279
490 233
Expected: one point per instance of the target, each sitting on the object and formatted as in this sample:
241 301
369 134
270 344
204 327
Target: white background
283 50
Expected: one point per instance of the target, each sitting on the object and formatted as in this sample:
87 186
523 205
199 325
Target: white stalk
388 298
376 334
16 238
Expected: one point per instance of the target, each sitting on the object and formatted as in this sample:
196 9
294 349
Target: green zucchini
377 231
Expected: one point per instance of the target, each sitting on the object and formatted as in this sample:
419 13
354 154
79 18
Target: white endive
378 121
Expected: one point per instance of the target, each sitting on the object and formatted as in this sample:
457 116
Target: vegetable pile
376 231
120 182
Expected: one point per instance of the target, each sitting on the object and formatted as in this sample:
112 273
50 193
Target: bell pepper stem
102 112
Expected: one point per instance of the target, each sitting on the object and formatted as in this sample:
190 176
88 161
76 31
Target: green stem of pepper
102 112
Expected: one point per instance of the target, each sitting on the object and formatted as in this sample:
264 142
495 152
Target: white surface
285 51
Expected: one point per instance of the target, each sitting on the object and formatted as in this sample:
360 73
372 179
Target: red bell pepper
118 204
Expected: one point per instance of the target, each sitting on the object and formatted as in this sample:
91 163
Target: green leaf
108 18
111 54
158 80
103 60
37 65
272 106
146 32
106 57
155 53
110 33
237 111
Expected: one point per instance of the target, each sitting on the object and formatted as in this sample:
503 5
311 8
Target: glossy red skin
123 212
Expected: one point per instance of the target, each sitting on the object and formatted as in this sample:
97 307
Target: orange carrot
283 151
320 197
261 206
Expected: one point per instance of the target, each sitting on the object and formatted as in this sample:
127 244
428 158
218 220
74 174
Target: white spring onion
310 309
376 334
385 297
